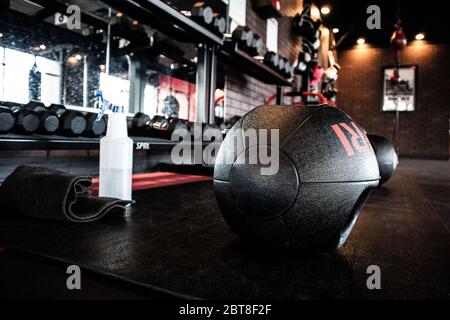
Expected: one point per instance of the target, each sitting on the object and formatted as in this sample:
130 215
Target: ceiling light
1 35
78 57
420 36
119 14
325 10
361 41
315 13
72 60
335 30
42 47
135 22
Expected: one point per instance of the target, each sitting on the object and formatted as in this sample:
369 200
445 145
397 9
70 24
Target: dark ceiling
350 15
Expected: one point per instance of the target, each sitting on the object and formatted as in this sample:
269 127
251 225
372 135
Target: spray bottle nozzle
105 104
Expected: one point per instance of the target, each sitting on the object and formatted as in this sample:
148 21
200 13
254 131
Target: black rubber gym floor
177 241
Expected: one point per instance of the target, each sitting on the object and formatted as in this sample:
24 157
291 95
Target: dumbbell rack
162 16
55 142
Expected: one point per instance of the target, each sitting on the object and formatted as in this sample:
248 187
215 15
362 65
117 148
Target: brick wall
424 133
243 92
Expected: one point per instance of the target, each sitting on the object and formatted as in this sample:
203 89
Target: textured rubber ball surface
326 170
263 195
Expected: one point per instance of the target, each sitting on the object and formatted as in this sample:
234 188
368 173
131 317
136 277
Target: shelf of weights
242 61
164 17
18 142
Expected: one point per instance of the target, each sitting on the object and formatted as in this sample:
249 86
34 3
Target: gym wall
243 93
424 133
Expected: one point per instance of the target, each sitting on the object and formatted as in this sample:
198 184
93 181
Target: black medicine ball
326 169
386 156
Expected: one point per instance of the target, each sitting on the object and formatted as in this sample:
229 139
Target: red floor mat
156 179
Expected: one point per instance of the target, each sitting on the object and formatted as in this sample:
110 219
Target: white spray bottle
116 154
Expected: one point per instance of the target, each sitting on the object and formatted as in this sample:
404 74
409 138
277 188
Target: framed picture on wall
399 94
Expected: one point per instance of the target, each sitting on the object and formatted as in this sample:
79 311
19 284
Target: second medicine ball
386 156
326 169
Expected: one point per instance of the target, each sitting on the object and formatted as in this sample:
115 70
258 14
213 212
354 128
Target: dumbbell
300 67
306 52
94 128
162 127
271 59
48 120
281 64
307 58
288 70
257 48
308 187
139 124
202 13
243 36
284 67
7 119
303 67
26 121
71 122
220 24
